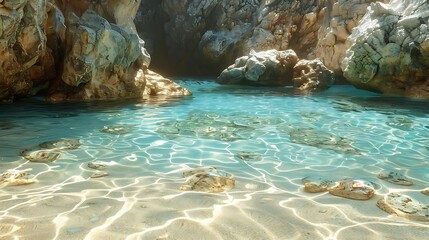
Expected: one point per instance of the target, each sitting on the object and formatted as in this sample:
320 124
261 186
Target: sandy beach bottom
137 203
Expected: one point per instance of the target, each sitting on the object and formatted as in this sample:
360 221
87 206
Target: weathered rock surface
314 184
199 33
16 178
158 85
40 156
353 189
389 49
268 68
312 75
25 60
395 178
404 206
208 179
340 18
78 49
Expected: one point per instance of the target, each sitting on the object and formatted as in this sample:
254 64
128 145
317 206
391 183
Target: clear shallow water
343 132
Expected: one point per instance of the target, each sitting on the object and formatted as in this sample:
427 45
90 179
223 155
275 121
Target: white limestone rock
268 68
389 50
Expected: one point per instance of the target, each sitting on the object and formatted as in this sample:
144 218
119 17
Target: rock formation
194 34
389 50
269 68
310 75
25 60
80 49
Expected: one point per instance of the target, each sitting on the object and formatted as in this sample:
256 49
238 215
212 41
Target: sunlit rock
404 206
312 75
98 165
40 156
314 184
340 18
208 179
119 129
248 156
395 178
62 144
269 68
389 50
322 140
353 189
158 85
400 122
425 191
16 178
99 174
26 62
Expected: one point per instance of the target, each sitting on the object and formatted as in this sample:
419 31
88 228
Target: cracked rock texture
267 68
72 50
205 36
312 75
389 50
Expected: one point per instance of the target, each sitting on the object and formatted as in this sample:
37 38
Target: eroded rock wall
205 36
25 59
83 49
389 49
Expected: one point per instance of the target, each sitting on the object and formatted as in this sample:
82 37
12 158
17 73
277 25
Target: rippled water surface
268 139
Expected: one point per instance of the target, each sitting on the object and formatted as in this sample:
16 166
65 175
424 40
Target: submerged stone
347 106
425 191
40 156
395 178
323 140
404 206
228 128
99 174
62 144
16 178
119 129
208 179
98 165
400 122
314 184
353 189
248 156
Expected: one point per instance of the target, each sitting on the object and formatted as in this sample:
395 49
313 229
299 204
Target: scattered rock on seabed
314 184
40 156
248 156
99 174
353 189
16 178
62 144
98 165
119 129
208 179
425 191
395 178
404 206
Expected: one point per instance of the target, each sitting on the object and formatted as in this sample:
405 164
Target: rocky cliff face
81 49
389 49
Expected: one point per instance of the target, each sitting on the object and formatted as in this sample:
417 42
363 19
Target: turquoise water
343 132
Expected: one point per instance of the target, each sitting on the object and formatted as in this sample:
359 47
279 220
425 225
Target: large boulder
25 60
267 68
389 50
